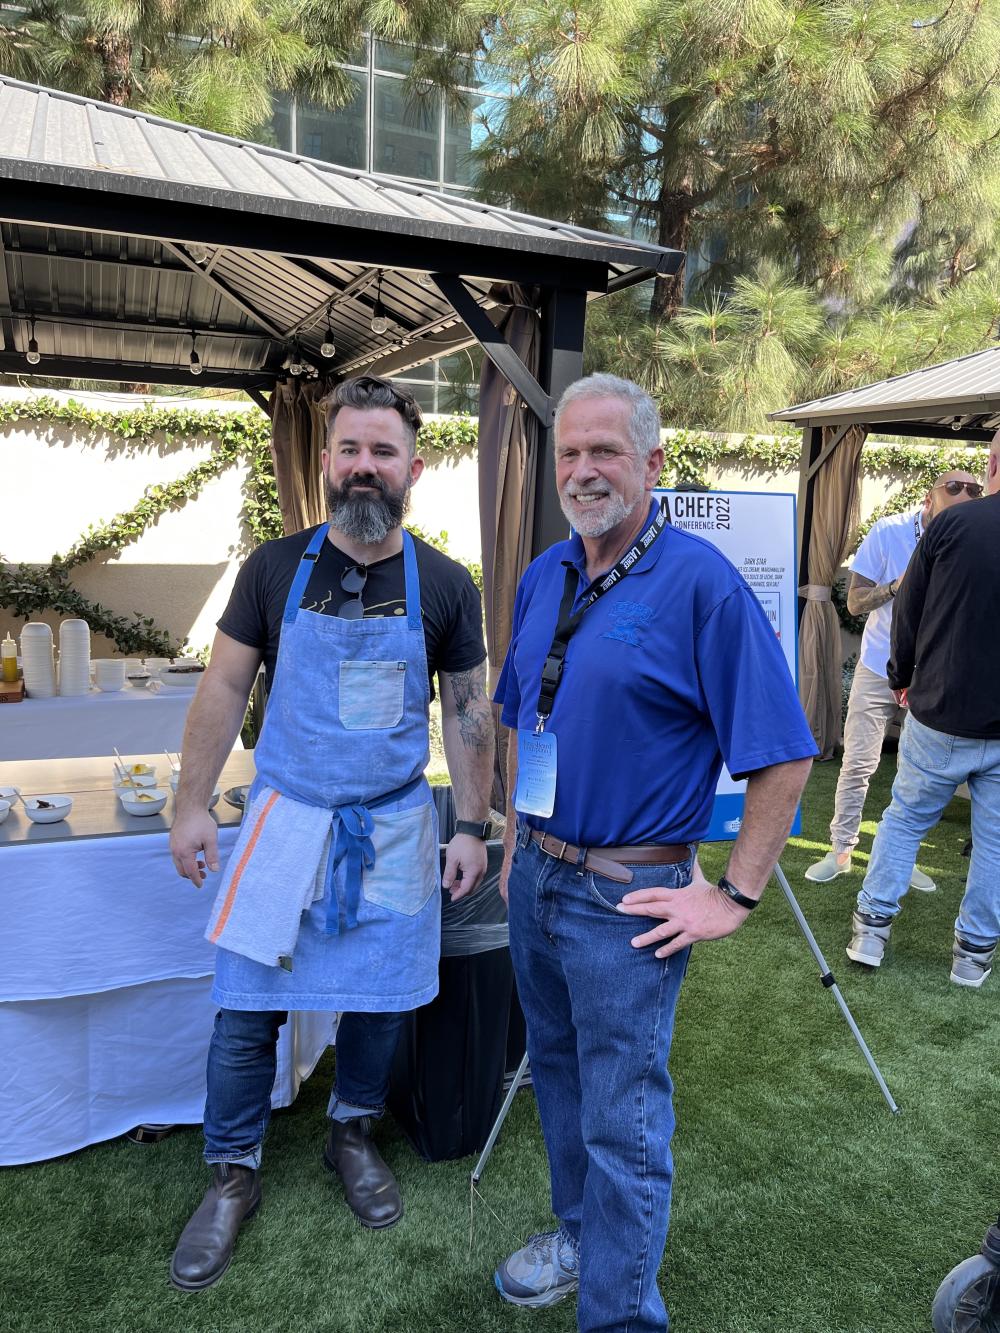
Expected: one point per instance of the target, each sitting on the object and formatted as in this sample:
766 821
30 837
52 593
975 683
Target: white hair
644 425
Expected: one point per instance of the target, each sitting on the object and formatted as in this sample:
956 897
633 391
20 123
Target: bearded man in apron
331 897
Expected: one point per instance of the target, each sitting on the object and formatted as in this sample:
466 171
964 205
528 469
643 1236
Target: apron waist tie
352 843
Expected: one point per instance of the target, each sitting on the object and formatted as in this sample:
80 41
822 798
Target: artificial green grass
800 1203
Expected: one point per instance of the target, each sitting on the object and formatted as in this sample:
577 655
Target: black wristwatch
473 829
740 899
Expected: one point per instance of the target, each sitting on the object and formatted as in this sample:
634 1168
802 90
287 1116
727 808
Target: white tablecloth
134 721
105 1013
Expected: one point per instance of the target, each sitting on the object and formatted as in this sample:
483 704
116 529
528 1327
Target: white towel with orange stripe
277 870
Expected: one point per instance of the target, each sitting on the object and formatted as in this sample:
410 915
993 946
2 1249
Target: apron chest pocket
407 865
371 695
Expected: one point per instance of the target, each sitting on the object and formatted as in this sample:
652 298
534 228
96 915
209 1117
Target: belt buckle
560 855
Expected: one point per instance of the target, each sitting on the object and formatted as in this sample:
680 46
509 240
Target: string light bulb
194 359
328 347
295 366
33 354
379 321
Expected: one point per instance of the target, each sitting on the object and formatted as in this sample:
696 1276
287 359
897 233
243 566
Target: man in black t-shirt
449 600
943 667
331 899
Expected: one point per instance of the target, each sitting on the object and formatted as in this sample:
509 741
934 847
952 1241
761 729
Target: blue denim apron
346 728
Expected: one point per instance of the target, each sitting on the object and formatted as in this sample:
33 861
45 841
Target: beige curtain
836 502
508 443
297 437
508 447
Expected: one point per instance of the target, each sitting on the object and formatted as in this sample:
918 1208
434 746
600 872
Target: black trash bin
452 1059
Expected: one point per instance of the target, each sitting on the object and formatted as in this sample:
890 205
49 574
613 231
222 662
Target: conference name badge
535 793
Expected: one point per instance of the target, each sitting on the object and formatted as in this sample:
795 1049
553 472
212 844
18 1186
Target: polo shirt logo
629 622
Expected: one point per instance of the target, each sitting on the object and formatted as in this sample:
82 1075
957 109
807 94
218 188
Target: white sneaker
829 868
918 880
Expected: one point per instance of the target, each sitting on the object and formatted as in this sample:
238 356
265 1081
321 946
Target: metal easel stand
516 1082
827 979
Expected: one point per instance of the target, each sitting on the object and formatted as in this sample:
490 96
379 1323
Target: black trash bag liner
448 1075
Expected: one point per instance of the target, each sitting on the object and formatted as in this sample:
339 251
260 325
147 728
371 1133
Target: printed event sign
756 532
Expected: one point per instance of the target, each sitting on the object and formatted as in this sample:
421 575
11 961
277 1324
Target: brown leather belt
612 862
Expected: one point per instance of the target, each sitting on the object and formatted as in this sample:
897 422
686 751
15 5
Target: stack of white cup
109 674
36 660
74 657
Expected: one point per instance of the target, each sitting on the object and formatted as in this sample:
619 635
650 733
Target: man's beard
613 512
366 518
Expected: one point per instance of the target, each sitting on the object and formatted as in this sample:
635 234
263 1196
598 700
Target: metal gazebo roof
121 234
959 397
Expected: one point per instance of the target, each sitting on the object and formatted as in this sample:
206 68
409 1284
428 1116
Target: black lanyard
569 620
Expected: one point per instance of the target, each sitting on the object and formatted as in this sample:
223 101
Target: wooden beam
493 343
812 446
815 467
564 316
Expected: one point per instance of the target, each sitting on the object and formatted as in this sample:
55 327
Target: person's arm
863 595
701 911
906 613
467 727
213 723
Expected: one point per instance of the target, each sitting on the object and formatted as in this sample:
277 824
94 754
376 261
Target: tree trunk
673 230
115 54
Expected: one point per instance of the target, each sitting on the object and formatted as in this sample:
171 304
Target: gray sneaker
918 880
543 1272
869 938
971 964
821 872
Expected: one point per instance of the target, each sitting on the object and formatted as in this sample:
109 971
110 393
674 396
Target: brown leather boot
369 1186
205 1248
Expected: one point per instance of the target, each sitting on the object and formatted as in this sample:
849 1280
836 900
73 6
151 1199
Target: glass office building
420 136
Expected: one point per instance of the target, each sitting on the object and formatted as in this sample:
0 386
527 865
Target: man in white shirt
876 573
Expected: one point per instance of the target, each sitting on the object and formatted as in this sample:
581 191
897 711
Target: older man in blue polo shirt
639 661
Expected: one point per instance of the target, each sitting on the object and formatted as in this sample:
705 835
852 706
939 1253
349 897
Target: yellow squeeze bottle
8 653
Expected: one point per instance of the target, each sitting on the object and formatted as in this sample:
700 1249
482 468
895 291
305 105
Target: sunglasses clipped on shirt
974 489
353 581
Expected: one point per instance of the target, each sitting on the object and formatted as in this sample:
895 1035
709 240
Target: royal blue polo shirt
670 673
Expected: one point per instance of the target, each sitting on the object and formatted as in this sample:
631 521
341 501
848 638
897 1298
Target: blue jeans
600 1017
931 765
242 1064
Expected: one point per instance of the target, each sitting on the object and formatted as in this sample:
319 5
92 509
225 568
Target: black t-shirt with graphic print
449 600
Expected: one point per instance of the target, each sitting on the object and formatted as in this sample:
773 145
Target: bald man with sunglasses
877 575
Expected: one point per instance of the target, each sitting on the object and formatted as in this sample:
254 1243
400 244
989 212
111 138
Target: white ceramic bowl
10 794
136 775
175 778
56 808
134 803
187 679
139 679
4 810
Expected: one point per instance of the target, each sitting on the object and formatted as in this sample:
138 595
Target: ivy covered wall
225 442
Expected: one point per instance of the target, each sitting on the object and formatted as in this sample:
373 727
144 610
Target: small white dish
139 680
135 775
175 778
4 810
10 794
53 809
187 679
148 802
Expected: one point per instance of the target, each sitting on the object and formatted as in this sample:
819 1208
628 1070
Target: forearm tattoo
864 596
472 708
